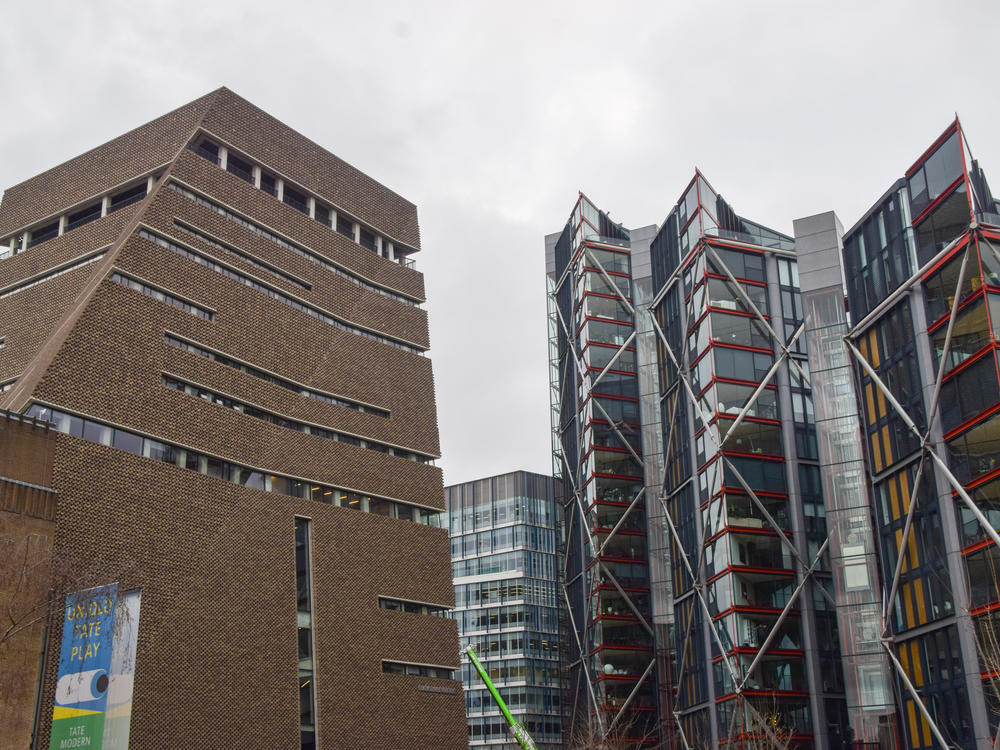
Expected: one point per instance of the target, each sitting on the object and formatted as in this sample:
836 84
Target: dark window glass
268 184
345 226
44 233
970 392
126 441
946 222
940 288
216 468
937 172
161 452
84 216
322 214
970 334
748 266
208 150
96 433
987 498
295 199
367 239
240 168
739 330
302 563
737 364
976 451
128 197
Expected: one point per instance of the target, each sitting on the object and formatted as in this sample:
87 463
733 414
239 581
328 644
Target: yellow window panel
870 402
911 712
894 501
918 669
881 402
873 347
918 591
887 446
899 551
877 451
912 546
908 606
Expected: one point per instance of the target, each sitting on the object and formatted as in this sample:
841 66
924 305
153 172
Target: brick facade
216 660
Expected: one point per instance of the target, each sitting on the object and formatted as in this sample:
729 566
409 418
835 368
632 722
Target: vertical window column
307 688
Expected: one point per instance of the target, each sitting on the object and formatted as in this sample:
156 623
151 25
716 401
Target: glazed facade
924 288
755 632
821 570
598 460
507 604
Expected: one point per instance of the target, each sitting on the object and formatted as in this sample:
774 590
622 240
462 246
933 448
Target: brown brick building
223 323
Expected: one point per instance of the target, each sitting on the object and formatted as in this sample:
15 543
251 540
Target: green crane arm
518 730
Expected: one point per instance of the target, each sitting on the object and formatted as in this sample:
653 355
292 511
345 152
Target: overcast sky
491 116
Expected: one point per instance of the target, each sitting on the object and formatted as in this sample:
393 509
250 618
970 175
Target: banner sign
118 715
84 666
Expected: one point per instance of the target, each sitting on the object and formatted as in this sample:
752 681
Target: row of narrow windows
291 424
158 450
58 271
274 379
294 247
419 670
68 222
401 605
159 294
304 596
270 291
245 257
300 201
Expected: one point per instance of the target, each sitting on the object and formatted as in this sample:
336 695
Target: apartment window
84 216
368 240
240 168
273 292
42 234
295 199
268 184
127 197
162 296
345 226
59 271
419 670
307 688
208 150
401 605
322 214
227 248
297 249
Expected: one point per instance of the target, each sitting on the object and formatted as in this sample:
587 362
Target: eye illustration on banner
95 670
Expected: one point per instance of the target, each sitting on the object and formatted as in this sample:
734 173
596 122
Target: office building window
307 687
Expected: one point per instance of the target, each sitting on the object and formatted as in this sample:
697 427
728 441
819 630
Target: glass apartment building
923 287
503 550
755 631
596 347
816 454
